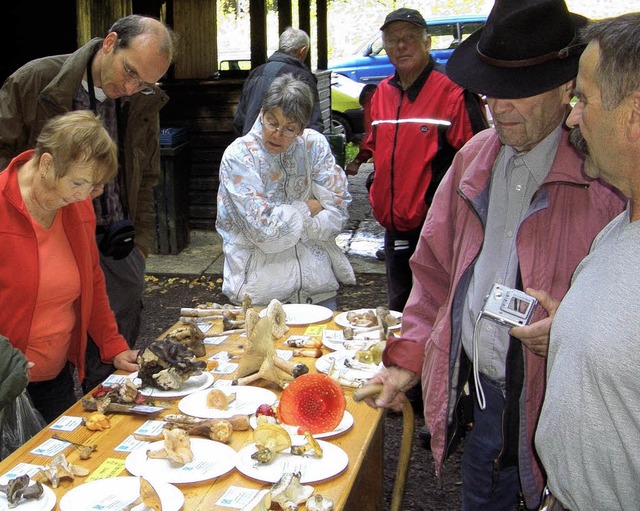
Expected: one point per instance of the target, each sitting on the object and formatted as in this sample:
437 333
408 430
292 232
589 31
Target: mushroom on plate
314 402
311 445
270 440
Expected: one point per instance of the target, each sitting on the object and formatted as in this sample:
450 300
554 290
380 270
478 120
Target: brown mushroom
270 440
294 369
219 400
268 371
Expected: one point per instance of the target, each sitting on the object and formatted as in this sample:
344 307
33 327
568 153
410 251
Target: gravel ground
165 295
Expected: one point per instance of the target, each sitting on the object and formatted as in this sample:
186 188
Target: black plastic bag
19 421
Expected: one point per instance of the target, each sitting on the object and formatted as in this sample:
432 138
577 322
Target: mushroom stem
311 353
295 369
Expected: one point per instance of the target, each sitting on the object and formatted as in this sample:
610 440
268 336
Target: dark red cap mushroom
314 402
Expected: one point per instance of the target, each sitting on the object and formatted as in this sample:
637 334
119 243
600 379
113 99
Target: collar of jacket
62 89
415 88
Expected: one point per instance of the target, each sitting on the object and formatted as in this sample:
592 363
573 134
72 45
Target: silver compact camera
508 306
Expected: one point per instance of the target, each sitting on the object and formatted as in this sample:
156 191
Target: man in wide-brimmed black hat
419 119
515 209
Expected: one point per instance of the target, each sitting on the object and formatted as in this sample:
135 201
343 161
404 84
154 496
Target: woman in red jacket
52 290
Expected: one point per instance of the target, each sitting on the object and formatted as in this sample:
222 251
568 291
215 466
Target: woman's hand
536 335
126 361
314 206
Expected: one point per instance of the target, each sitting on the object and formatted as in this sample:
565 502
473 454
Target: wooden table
359 487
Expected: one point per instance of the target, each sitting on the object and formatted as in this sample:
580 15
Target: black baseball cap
409 15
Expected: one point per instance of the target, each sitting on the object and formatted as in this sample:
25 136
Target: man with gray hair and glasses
115 77
288 59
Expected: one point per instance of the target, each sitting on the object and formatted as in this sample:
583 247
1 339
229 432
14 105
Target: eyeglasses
408 39
132 77
271 127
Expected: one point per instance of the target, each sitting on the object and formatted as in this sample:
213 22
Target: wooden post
95 17
194 21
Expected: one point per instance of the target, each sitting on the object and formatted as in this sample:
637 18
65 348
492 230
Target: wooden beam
322 35
95 17
285 15
195 23
258 22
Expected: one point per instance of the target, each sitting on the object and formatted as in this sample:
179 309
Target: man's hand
126 360
536 335
395 381
314 207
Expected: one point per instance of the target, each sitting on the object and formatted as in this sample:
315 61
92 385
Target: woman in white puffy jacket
282 201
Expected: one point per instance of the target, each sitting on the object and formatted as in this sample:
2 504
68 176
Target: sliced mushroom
270 439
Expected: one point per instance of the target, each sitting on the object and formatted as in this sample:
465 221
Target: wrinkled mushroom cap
314 402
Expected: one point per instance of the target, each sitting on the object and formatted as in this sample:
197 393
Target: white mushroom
275 312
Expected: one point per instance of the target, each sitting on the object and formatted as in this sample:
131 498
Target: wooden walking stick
404 458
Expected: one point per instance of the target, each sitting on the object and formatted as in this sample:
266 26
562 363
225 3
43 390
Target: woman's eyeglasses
272 127
132 77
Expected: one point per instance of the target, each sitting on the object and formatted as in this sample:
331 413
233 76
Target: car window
443 37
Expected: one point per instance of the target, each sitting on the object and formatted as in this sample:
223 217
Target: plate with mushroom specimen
45 503
346 365
366 318
210 459
226 402
311 467
303 313
192 384
116 493
345 425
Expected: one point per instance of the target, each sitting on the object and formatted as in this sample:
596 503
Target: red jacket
564 216
403 154
19 273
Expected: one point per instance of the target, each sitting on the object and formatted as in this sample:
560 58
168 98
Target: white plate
117 492
193 384
334 460
247 400
360 372
360 341
210 459
45 503
345 424
303 313
341 319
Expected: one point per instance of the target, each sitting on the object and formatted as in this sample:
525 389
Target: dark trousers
398 249
125 285
52 397
483 487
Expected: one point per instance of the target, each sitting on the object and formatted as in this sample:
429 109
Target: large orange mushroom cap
313 402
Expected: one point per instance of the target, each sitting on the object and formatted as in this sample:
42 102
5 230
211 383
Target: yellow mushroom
270 439
311 445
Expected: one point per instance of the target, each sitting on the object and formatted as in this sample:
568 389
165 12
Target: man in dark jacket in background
289 58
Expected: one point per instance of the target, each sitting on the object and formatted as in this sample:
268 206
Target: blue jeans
483 487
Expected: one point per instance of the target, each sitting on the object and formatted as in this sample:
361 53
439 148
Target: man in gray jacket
289 58
115 77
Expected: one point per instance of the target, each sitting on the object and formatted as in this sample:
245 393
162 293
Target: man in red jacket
420 119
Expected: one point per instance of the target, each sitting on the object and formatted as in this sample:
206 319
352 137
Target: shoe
380 254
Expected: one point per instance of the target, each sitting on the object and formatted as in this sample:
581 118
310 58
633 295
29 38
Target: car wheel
339 124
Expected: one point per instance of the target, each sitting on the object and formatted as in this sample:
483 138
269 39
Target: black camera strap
121 123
